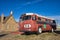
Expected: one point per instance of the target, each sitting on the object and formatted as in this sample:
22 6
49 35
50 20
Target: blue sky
42 7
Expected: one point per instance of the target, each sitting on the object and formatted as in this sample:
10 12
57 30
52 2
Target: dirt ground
43 36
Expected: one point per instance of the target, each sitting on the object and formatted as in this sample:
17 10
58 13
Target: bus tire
39 30
52 30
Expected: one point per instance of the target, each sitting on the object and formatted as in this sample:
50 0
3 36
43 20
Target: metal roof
39 15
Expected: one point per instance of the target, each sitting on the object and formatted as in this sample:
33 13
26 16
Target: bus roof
38 15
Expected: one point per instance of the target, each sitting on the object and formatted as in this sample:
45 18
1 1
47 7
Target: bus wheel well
39 31
40 27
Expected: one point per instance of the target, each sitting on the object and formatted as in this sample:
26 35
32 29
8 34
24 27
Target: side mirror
20 17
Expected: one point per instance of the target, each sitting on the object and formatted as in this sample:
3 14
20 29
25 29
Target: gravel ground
43 36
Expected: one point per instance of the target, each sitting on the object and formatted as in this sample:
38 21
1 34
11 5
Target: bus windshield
26 18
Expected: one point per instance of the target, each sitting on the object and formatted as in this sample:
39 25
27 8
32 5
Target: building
8 23
0 23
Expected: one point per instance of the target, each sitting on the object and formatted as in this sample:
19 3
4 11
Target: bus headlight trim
27 25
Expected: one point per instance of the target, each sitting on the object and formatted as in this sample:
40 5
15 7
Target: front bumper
26 30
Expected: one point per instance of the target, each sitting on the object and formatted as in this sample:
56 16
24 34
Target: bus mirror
20 17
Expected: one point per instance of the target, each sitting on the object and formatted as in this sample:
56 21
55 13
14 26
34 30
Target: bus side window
34 18
47 20
39 19
51 21
54 21
43 19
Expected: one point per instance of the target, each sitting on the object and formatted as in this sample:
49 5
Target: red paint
34 25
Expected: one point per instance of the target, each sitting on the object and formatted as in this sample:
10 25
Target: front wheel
39 30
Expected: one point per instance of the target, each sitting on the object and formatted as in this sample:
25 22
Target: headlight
27 25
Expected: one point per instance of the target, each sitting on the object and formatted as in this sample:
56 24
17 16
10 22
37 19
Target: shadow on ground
1 35
57 31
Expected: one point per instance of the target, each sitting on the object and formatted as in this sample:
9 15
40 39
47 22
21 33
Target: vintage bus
31 22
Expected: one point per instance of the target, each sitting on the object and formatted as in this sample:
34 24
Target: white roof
44 17
38 15
29 13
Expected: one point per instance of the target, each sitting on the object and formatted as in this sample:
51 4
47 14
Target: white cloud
55 17
36 1
29 3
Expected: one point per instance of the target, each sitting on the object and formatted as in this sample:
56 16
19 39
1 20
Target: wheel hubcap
52 29
40 30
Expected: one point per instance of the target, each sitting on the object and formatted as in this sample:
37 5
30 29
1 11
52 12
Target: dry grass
43 36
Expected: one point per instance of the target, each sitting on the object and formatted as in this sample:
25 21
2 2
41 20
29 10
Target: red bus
31 22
